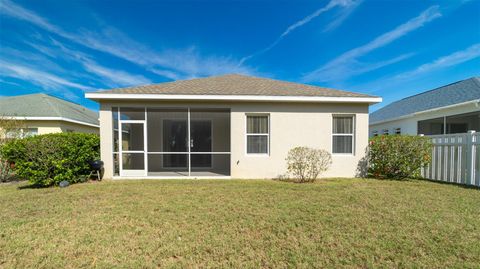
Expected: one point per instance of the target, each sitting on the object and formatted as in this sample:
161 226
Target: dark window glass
431 126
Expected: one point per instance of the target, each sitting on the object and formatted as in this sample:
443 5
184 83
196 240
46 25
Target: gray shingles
234 84
43 105
455 93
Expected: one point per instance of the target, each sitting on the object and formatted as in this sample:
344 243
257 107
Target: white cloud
307 19
184 63
116 76
338 67
455 58
403 80
344 14
44 79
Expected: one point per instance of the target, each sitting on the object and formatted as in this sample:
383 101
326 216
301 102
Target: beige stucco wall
51 126
409 125
291 124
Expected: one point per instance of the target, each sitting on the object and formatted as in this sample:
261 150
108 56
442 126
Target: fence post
423 170
470 165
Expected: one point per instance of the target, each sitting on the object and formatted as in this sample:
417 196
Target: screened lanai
171 142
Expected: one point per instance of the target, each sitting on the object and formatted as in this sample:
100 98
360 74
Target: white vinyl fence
455 158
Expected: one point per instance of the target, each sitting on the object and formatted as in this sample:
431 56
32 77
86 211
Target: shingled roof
455 93
45 106
234 85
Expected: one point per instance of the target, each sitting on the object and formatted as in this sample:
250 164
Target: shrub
45 160
398 156
305 164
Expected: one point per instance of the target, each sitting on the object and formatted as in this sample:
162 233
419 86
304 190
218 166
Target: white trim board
53 119
256 98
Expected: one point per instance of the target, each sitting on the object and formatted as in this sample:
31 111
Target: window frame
397 131
257 134
385 132
353 134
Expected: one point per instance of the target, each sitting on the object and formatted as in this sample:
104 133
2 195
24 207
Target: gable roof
45 107
448 95
226 87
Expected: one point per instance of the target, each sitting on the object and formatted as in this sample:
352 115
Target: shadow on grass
429 180
31 186
452 184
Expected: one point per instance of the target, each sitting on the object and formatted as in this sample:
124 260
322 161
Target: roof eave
52 119
251 98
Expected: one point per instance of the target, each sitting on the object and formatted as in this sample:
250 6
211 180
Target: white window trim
258 134
353 135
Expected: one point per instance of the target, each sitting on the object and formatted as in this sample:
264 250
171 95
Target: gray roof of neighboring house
455 93
43 105
234 84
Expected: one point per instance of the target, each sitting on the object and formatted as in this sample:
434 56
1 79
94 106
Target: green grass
235 223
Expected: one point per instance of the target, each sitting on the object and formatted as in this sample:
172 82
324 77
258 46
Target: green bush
45 160
398 156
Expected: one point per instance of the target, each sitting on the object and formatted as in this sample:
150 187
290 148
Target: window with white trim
375 133
398 131
386 132
258 132
343 134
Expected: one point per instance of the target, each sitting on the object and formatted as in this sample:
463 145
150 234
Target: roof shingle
234 84
43 105
455 93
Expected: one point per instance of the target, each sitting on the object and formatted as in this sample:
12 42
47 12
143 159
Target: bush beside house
305 164
46 160
398 156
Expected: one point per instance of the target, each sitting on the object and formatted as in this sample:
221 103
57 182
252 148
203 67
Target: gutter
53 119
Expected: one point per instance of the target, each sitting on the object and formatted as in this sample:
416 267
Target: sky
386 48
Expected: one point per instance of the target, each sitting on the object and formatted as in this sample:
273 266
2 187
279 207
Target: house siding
410 125
291 125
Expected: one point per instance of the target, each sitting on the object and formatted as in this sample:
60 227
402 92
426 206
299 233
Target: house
454 108
229 126
42 114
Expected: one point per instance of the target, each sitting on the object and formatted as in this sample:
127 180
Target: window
343 134
385 132
21 132
432 126
398 131
463 123
257 134
375 133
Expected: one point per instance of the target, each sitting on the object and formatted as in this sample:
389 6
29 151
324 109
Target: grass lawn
235 223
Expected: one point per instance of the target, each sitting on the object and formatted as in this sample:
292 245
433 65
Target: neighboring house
42 114
228 126
454 108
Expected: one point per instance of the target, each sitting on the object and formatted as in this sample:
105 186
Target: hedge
46 160
398 156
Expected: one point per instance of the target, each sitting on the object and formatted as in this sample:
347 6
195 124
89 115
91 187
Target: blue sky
388 48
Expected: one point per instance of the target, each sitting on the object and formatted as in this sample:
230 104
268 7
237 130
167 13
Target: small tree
398 156
306 164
